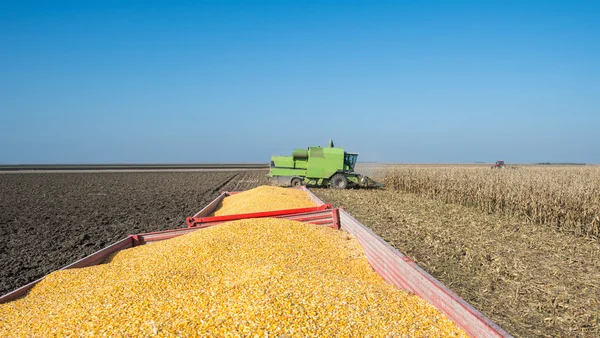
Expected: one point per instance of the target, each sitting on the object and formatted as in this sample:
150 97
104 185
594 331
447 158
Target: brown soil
530 279
48 220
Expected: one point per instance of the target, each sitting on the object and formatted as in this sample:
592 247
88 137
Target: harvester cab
320 166
350 161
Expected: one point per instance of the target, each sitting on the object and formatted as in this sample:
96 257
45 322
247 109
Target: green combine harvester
320 166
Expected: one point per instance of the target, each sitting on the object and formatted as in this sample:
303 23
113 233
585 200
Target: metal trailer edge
400 271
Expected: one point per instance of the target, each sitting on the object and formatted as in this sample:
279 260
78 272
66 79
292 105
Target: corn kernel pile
263 277
263 198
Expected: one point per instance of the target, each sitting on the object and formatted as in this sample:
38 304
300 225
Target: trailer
394 267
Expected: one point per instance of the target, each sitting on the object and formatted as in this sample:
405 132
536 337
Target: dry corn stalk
565 197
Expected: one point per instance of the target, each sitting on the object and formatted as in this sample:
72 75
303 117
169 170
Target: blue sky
224 81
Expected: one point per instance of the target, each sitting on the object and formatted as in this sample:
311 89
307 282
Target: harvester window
350 160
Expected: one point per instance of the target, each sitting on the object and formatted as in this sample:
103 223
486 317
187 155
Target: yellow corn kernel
267 277
263 198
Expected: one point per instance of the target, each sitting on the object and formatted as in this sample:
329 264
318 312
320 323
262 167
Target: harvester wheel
296 182
339 181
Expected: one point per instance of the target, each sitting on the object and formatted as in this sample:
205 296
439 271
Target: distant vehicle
499 165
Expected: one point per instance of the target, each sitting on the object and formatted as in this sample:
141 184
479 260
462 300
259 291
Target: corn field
565 197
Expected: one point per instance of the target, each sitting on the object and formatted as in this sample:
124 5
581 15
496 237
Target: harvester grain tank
320 166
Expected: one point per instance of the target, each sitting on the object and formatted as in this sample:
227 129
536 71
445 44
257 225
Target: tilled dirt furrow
52 219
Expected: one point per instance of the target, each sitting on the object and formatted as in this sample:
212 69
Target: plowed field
48 220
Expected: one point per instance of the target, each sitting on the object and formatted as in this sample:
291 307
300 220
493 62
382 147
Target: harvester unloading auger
320 166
